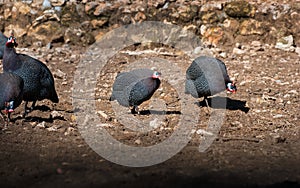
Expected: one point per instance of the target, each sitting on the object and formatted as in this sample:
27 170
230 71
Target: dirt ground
257 145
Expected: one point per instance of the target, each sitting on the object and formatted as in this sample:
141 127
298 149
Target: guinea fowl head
11 42
231 87
156 75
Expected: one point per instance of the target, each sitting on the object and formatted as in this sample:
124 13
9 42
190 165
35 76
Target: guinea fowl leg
6 121
32 105
134 110
206 101
208 107
8 118
27 110
137 109
1 115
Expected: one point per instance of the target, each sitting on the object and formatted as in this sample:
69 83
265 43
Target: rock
213 35
185 13
285 43
90 7
73 35
204 132
278 116
140 17
55 114
251 27
78 37
58 3
275 9
279 139
22 8
232 25
98 23
58 9
59 74
18 30
41 125
239 9
73 118
46 4
52 129
223 54
69 131
27 1
157 3
47 15
210 17
256 43
101 8
297 50
203 29
138 141
103 114
72 14
238 51
154 123
46 31
211 6
105 125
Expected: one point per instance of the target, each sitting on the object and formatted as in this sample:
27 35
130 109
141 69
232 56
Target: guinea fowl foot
28 109
135 110
6 121
1 115
207 105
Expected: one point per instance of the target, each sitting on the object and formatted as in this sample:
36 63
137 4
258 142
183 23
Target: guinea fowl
11 92
38 80
132 88
207 76
3 40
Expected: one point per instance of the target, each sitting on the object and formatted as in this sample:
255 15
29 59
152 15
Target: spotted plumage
207 76
11 92
132 88
38 80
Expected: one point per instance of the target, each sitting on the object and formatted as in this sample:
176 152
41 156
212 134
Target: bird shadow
158 112
37 119
42 108
32 118
219 103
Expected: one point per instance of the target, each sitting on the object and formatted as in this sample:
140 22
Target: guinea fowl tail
112 98
54 98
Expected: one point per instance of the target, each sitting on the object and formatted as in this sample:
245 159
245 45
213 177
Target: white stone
285 43
238 51
41 125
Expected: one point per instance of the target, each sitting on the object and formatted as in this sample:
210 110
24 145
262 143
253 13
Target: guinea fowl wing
143 90
11 89
124 83
42 76
206 76
3 40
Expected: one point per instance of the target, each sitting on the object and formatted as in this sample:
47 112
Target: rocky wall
217 23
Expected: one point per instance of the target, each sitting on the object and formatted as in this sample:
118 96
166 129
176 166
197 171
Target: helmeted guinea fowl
3 40
207 76
11 92
132 88
38 80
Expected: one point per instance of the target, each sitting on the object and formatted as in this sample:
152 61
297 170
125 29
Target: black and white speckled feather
132 88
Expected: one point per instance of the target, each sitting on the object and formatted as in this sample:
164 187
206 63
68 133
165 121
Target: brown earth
257 145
